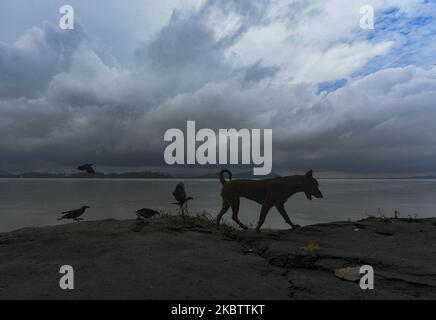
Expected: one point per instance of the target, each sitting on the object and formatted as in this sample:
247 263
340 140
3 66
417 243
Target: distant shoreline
159 175
164 177
98 175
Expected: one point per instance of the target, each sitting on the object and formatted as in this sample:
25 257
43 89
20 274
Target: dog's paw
296 226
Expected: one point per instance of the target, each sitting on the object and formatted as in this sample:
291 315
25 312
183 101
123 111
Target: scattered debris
413 219
385 233
348 274
311 246
247 250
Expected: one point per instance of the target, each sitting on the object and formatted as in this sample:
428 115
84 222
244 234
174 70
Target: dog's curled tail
221 175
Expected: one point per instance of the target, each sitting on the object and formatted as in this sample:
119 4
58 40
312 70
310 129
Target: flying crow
86 167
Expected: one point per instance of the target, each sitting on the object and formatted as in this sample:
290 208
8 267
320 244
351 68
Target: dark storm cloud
61 103
27 66
182 42
184 56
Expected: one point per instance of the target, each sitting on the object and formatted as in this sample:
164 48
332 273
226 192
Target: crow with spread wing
180 195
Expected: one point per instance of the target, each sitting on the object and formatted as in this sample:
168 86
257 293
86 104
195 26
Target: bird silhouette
180 195
86 167
146 213
74 214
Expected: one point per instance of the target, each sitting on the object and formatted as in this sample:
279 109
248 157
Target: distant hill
83 175
4 174
240 175
424 177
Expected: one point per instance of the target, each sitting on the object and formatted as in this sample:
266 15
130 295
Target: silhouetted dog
267 192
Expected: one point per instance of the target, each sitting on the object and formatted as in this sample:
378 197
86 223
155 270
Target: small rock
348 274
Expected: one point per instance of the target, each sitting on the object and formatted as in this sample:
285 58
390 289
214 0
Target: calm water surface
38 202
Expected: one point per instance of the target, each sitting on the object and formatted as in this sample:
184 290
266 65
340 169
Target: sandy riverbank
167 259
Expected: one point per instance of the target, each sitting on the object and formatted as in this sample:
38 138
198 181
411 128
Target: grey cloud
61 103
258 72
182 42
27 66
381 120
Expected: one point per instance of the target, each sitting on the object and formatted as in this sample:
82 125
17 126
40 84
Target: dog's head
311 186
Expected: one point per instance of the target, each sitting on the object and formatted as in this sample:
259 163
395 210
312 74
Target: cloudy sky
340 100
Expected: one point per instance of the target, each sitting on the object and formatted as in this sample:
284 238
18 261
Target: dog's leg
235 208
223 211
281 208
263 212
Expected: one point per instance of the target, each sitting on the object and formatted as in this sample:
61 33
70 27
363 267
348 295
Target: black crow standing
146 213
74 214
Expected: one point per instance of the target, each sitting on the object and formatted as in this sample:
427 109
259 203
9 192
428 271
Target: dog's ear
309 174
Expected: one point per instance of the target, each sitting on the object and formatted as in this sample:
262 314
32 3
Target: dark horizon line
160 175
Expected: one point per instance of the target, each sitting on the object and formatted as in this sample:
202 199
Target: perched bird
180 196
74 214
146 213
86 167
